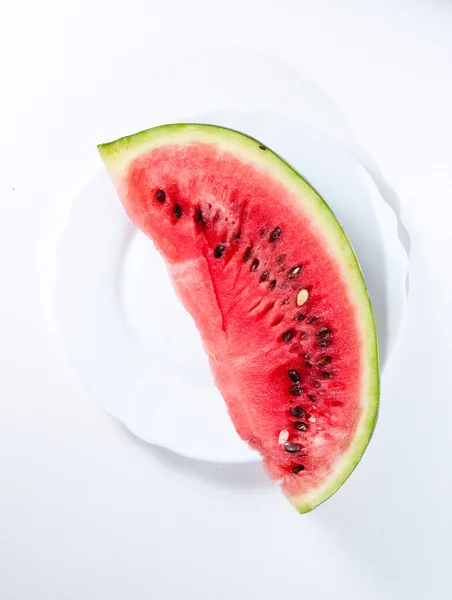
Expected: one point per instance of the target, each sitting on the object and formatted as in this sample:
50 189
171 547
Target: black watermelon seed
312 398
272 284
327 375
324 343
263 232
161 196
237 235
295 390
297 412
297 469
265 276
254 264
294 272
275 234
299 317
292 448
219 250
324 360
312 319
323 333
247 254
262 147
288 335
307 363
199 216
177 211
294 376
300 426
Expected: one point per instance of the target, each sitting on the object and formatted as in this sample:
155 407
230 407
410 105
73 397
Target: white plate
132 342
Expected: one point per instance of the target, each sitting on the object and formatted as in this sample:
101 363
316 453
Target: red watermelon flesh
268 275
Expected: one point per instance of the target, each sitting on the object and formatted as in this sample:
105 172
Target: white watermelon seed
283 436
302 297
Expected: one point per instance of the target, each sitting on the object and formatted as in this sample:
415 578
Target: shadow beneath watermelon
236 475
383 514
378 518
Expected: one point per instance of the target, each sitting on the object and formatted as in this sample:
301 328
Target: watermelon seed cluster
322 336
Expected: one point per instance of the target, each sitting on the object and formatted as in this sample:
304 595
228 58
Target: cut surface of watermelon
271 280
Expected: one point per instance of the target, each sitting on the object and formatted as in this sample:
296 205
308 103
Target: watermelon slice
270 278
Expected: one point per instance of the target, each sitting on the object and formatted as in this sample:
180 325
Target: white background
86 511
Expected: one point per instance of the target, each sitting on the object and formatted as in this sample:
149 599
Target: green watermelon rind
118 155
